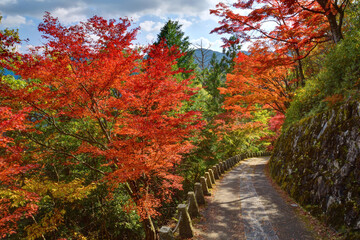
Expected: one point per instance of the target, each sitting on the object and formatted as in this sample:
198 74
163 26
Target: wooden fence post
185 225
222 167
225 166
228 162
193 206
212 177
219 169
208 179
204 186
216 173
199 194
165 233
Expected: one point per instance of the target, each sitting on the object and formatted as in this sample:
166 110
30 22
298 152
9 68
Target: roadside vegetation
100 140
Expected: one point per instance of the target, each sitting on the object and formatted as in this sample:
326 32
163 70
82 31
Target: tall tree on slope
172 34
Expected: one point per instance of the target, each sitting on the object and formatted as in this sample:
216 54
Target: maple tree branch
103 128
33 218
94 111
275 38
64 153
93 138
308 52
53 123
277 107
344 4
56 172
128 189
308 9
341 10
278 86
77 136
264 33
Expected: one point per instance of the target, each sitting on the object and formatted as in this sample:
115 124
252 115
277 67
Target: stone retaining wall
317 161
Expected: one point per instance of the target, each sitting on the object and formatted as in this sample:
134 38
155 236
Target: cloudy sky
150 15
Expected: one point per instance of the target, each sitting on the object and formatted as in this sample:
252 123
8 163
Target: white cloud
151 26
216 45
13 21
120 8
18 48
150 37
93 37
206 43
147 26
133 17
245 46
190 14
205 13
24 48
185 23
70 15
6 2
29 47
269 26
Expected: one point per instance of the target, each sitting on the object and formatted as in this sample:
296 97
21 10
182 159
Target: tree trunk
335 24
150 233
335 29
300 69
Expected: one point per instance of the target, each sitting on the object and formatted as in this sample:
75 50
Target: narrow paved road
246 206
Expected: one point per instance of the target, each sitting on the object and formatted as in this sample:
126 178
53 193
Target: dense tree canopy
96 105
98 137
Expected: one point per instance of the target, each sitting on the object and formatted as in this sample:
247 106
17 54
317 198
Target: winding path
246 206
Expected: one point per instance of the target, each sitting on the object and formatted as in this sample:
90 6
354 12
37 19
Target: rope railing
190 210
177 225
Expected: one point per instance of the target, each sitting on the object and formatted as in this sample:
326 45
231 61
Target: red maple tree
121 105
292 28
254 83
15 202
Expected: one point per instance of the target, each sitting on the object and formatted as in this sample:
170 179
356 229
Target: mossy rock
321 146
335 215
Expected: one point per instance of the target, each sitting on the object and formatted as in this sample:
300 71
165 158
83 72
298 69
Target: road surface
245 206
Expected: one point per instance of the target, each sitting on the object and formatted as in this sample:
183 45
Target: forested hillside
101 138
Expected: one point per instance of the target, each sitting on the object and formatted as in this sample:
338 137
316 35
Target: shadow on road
245 206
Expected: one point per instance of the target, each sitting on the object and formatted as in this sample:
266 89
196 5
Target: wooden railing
190 210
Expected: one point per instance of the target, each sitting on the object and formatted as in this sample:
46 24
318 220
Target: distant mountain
208 55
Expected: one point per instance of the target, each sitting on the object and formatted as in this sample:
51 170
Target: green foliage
249 136
173 35
210 79
75 211
12 82
342 68
230 53
307 101
75 201
8 40
210 102
337 81
104 216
